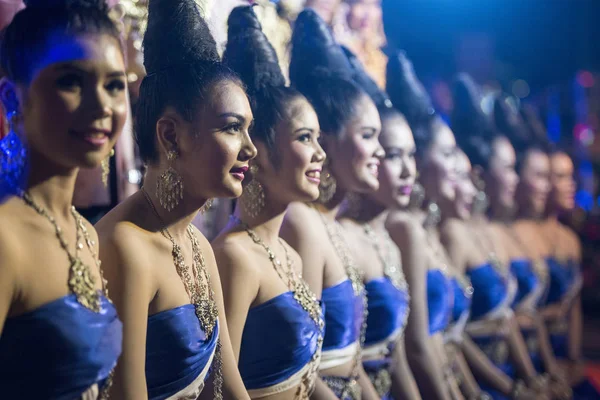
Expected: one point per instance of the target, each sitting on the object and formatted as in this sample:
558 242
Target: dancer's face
534 184
465 190
562 194
501 177
438 166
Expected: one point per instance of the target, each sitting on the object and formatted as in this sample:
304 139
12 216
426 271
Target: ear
8 96
477 176
169 127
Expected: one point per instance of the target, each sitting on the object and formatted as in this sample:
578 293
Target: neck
369 212
497 213
267 223
178 219
51 186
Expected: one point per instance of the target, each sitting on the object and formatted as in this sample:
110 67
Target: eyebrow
304 129
369 128
234 115
70 67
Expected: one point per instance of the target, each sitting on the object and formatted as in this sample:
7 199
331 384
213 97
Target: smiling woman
192 130
64 91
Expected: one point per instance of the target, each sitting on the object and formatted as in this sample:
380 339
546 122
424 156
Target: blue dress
440 299
461 309
343 321
58 350
279 343
493 294
178 353
387 315
531 289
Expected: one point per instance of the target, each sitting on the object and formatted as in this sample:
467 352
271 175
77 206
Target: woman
275 321
482 252
414 231
384 354
192 131
350 125
65 96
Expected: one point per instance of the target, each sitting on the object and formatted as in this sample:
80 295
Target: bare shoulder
298 214
454 230
301 224
126 246
232 255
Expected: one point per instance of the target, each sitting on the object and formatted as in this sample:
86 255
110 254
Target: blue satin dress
531 288
493 294
343 320
278 344
387 315
440 299
59 350
461 309
178 353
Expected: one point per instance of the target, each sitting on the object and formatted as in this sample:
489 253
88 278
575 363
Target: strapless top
440 297
462 301
493 293
343 321
178 353
461 310
58 350
388 310
278 344
565 280
530 287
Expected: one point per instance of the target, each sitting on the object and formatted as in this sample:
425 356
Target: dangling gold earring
253 197
353 204
206 206
106 167
328 185
417 195
169 187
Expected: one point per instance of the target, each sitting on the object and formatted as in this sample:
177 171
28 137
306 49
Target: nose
320 154
248 151
379 152
98 102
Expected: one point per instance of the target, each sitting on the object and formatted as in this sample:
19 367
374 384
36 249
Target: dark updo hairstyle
320 70
182 62
366 83
410 98
473 129
24 40
253 58
510 122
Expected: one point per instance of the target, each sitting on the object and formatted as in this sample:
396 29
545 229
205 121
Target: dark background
541 41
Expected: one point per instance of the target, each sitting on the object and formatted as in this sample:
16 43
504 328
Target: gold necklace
302 295
389 255
81 282
205 306
351 388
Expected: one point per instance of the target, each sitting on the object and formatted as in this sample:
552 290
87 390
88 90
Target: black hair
320 70
409 96
182 62
509 121
474 131
253 58
25 39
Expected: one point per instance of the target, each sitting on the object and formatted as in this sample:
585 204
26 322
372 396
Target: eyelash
116 86
69 81
368 135
233 128
304 138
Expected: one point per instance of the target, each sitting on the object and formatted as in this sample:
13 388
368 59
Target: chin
402 201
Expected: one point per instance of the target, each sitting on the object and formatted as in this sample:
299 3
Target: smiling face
75 105
562 194
398 169
465 189
291 171
355 154
501 177
534 184
438 166
215 148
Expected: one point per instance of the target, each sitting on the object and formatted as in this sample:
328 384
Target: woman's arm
403 381
368 391
484 369
322 391
298 232
9 263
421 357
233 387
131 289
240 286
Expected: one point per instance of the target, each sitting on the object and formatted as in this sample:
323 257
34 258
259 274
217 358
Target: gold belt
344 388
381 380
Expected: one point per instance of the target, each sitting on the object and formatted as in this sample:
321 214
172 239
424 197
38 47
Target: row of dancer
303 294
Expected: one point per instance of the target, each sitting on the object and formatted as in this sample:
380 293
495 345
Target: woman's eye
70 81
116 86
305 138
233 128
